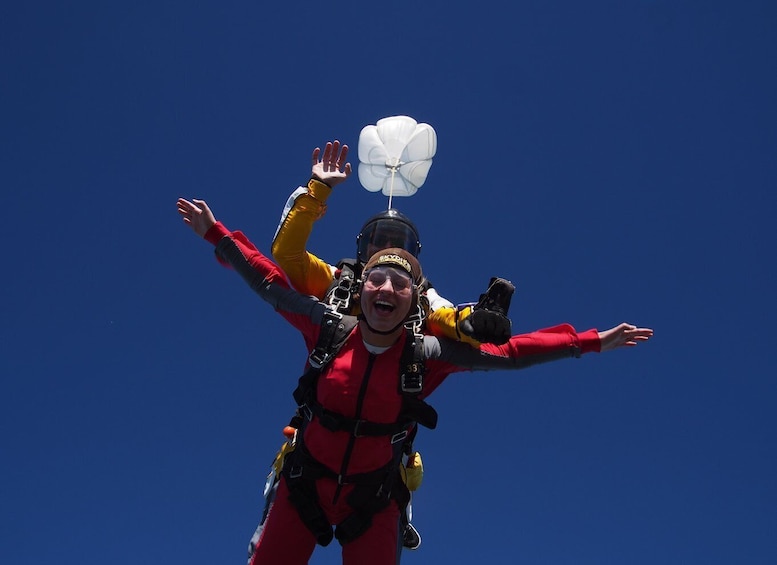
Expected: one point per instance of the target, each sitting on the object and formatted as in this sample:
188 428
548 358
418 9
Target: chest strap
335 422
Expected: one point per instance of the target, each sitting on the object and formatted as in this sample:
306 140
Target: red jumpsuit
363 385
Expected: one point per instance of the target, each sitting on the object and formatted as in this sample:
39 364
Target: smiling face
386 298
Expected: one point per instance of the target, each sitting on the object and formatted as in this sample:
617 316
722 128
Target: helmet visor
384 234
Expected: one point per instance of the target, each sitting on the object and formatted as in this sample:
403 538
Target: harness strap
335 422
355 525
335 329
411 382
304 466
303 495
372 493
341 290
367 502
327 346
373 490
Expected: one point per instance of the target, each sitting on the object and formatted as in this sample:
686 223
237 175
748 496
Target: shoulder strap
411 381
339 293
335 329
411 364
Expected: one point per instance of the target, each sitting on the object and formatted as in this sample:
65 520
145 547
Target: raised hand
332 169
196 214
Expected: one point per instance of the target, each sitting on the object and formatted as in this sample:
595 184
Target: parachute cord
391 186
392 165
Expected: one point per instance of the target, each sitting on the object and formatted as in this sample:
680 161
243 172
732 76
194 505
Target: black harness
373 490
340 293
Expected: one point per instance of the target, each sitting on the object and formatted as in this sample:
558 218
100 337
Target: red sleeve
266 268
521 352
260 262
536 343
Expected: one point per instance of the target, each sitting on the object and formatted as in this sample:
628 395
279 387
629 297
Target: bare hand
623 335
332 169
196 215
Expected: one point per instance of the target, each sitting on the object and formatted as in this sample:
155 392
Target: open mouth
382 306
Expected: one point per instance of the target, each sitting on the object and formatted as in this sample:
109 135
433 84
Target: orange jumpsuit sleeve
307 273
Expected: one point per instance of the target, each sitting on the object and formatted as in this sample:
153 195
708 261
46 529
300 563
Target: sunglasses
400 281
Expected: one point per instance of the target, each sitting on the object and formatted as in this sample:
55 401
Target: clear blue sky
617 160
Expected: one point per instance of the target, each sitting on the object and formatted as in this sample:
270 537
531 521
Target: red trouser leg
378 545
285 539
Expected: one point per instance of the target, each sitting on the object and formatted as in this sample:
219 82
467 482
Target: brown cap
397 257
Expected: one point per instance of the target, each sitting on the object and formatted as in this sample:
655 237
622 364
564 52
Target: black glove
488 322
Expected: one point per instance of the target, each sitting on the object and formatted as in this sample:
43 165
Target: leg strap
303 495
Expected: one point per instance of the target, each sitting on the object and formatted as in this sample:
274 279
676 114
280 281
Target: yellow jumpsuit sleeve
444 321
307 273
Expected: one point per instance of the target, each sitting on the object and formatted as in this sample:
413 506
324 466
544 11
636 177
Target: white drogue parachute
395 155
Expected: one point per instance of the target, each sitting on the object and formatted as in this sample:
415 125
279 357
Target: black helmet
387 229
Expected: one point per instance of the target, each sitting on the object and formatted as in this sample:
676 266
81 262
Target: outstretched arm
262 275
622 335
542 345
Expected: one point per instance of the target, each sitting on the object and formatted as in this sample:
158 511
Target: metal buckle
318 358
356 427
331 316
341 297
398 437
307 412
415 385
295 472
342 292
415 320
